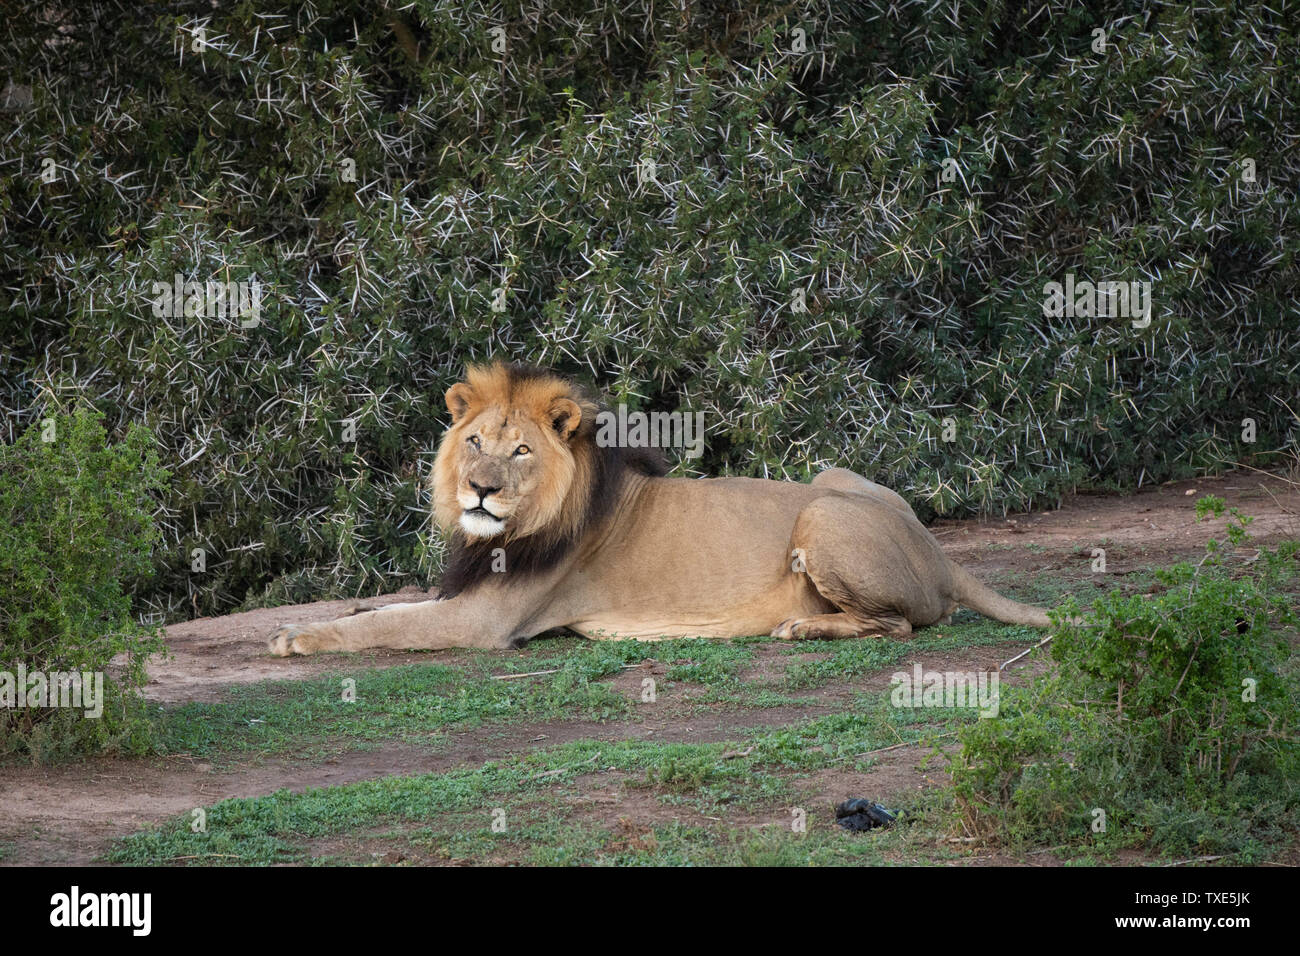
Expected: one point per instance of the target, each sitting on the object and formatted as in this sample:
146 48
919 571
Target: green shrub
76 538
1175 713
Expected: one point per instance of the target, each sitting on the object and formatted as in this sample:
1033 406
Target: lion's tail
980 597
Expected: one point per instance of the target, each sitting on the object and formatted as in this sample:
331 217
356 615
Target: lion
550 528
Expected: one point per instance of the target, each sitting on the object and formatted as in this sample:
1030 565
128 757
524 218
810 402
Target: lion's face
504 459
505 467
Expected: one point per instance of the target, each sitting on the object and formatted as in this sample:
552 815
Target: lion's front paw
300 639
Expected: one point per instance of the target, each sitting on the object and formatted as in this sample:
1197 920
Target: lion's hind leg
850 482
855 553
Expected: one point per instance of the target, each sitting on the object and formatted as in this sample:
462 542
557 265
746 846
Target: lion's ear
566 416
458 399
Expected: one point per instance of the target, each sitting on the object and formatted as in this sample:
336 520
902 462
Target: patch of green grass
398 703
854 658
415 701
535 832
775 844
547 836
695 659
824 843
1076 580
758 772
746 695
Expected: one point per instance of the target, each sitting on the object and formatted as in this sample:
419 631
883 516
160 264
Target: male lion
550 530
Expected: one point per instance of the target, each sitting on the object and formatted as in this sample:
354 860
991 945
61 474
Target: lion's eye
474 440
523 450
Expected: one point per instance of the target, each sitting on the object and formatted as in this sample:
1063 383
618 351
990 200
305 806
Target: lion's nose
483 491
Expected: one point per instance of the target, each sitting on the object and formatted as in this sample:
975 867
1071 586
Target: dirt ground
70 813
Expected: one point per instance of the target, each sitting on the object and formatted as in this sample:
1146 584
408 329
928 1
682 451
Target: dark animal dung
859 814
